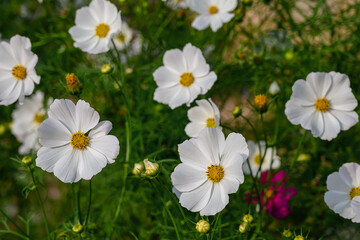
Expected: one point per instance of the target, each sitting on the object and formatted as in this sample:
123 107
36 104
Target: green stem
89 205
17 226
298 149
41 204
78 203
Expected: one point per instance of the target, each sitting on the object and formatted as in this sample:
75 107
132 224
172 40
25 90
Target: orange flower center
71 79
215 173
260 101
213 9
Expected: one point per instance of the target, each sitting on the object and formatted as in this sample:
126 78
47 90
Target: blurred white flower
213 13
95 26
123 38
274 88
324 104
17 70
26 121
206 114
183 77
177 4
210 170
270 159
75 145
343 196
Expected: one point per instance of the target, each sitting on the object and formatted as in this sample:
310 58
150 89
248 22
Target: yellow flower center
121 37
39 118
213 9
79 140
322 104
260 101
19 72
215 173
210 123
71 79
354 192
102 30
257 159
186 79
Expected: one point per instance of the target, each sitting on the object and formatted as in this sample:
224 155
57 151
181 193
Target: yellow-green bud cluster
246 224
202 226
146 169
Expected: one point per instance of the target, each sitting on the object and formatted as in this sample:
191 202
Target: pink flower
274 195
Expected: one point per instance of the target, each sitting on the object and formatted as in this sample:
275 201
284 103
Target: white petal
314 122
197 199
14 95
183 96
86 117
175 61
211 142
227 5
199 6
193 129
341 96
336 183
165 95
52 133
225 17
344 209
302 94
331 127
115 26
230 184
199 113
186 178
348 174
355 205
205 83
7 59
218 201
110 12
28 86
320 83
201 22
196 63
107 145
85 19
81 34
66 168
48 157
192 155
101 129
64 111
97 7
165 78
215 23
34 77
102 46
235 150
91 163
333 198
296 113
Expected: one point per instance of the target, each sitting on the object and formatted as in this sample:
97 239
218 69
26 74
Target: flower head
151 169
210 170
95 26
205 115
202 226
343 196
75 145
324 104
213 13
73 84
183 77
255 156
26 121
123 38
17 70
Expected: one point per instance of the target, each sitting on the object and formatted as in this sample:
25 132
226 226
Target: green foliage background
289 40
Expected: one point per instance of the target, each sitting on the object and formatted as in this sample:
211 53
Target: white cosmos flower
343 196
210 170
177 4
270 159
324 104
75 145
206 114
95 26
183 77
26 121
123 38
17 70
213 13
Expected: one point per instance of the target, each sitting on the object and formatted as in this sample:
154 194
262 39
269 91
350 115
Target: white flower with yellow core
75 145
17 70
26 121
177 4
324 104
213 13
343 196
95 26
211 169
123 38
205 115
255 154
183 77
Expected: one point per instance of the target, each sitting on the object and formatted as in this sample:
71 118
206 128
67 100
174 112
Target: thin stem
41 204
17 226
298 149
78 203
89 205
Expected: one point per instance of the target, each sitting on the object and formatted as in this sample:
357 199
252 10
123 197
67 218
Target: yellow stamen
71 79
102 30
257 159
354 192
121 37
186 79
322 104
213 9
210 123
215 173
19 72
39 118
260 101
79 140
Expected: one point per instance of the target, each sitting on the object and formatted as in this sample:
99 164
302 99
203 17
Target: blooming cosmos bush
190 119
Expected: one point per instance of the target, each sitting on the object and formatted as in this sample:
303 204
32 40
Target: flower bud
202 226
303 157
77 228
27 160
106 68
299 237
243 227
248 218
261 103
274 88
138 168
2 129
286 233
73 84
289 55
151 169
237 111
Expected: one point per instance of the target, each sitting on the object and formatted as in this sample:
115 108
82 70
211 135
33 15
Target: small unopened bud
106 68
303 157
237 112
299 237
138 168
286 233
274 88
77 228
2 129
243 227
151 169
289 55
248 218
202 226
27 160
261 103
73 84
